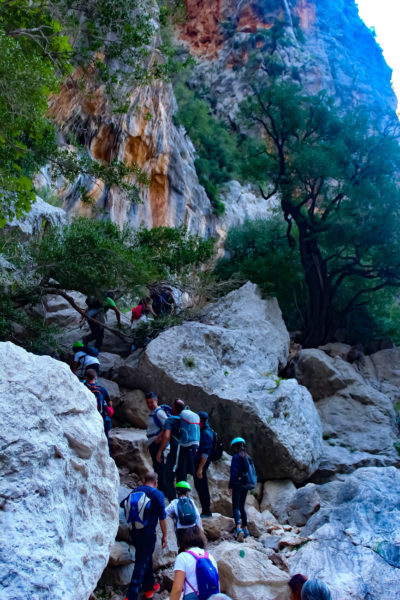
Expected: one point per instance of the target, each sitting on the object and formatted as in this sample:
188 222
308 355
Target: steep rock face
354 543
227 365
145 136
330 48
58 485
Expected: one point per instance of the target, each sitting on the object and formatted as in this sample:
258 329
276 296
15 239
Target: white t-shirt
187 563
85 360
172 511
152 428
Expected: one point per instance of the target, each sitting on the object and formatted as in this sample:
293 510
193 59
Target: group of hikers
181 443
160 303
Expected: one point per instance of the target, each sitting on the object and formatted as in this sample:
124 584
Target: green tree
338 184
91 257
258 251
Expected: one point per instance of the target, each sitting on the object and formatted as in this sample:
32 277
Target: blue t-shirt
156 511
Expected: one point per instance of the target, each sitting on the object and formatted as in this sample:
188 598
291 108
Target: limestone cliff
330 48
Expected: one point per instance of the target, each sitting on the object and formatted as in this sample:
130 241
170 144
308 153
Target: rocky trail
324 444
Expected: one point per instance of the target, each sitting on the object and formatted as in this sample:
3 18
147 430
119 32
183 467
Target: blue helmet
237 440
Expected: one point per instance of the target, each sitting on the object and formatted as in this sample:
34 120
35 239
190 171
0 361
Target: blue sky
384 16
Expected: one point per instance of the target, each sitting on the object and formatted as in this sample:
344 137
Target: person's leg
148 577
235 504
159 468
169 476
201 486
181 471
99 336
107 428
242 504
144 547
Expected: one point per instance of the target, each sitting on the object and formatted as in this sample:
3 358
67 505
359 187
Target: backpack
190 429
217 449
206 575
91 351
101 402
166 409
93 302
136 508
186 512
248 476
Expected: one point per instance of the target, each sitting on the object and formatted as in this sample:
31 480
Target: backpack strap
156 420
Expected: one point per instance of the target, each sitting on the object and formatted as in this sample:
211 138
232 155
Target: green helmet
78 345
237 440
183 485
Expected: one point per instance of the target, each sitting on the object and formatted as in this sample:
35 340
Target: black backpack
217 449
186 512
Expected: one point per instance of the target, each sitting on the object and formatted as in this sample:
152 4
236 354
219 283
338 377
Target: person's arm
162 417
202 462
151 310
170 509
117 314
177 588
163 525
165 440
74 367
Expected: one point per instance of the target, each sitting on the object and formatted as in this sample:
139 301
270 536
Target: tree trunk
319 289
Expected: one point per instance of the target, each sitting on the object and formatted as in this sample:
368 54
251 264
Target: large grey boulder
130 450
58 485
227 365
354 541
382 371
358 420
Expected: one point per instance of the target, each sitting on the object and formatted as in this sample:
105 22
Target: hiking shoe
239 534
246 533
206 515
150 594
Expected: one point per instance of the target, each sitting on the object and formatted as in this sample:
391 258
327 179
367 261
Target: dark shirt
103 399
173 424
206 442
239 469
156 510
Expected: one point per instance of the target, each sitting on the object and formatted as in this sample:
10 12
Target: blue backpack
249 481
206 575
190 429
186 512
136 508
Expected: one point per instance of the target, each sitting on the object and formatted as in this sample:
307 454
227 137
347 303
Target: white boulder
227 365
58 484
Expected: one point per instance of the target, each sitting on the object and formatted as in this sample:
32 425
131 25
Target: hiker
182 431
142 311
97 309
155 423
84 358
242 479
144 507
104 404
296 584
183 511
171 431
196 571
202 462
315 589
163 301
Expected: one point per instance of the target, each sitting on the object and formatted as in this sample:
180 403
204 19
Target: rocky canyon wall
330 49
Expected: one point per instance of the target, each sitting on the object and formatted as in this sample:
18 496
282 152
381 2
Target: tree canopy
337 179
